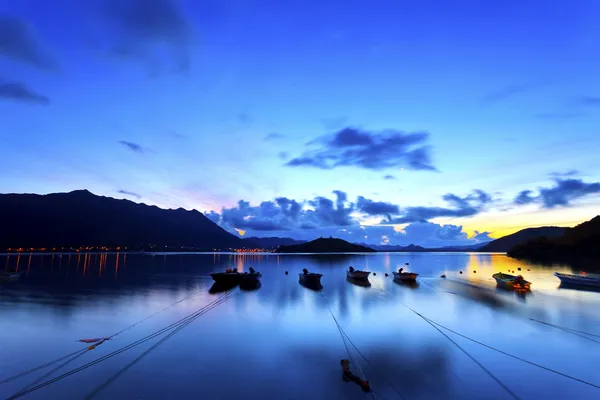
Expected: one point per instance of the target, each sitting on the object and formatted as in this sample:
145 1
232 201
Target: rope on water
501 351
49 363
114 353
47 374
164 339
569 330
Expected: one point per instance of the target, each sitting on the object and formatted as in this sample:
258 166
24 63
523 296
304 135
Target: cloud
339 217
18 42
127 193
524 197
466 206
369 150
571 172
136 148
507 92
144 25
390 178
18 91
560 194
273 136
375 208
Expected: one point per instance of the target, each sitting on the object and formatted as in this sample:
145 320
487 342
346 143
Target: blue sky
409 109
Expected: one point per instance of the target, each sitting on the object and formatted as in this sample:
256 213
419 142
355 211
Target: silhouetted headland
580 242
80 218
506 243
325 245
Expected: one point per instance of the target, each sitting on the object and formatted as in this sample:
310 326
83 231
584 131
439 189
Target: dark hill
580 242
506 243
323 245
80 218
270 242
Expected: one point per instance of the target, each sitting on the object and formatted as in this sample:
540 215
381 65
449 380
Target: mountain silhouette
325 245
80 218
270 242
506 243
579 242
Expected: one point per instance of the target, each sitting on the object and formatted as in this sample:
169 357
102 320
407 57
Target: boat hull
405 276
310 280
252 277
578 280
509 282
226 277
358 275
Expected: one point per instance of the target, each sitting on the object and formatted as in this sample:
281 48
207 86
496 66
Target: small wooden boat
581 280
511 281
309 278
251 276
357 274
405 276
230 276
10 276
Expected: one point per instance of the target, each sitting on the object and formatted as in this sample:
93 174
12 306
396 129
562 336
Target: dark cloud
136 148
507 92
369 150
524 197
273 136
128 193
462 207
144 25
560 194
18 42
18 91
390 178
374 208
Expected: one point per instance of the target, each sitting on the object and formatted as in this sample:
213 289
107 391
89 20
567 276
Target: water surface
281 341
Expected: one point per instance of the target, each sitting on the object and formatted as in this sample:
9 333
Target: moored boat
582 280
230 276
405 276
309 278
357 274
10 276
511 281
251 276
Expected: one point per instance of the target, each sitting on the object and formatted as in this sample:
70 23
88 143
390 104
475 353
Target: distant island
506 243
325 245
580 242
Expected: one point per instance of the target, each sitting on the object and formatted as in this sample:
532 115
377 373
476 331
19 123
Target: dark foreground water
281 342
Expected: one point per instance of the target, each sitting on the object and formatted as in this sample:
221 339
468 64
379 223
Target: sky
425 122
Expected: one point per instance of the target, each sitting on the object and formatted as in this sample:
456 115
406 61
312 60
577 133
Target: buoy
528 269
386 274
442 276
474 272
461 272
286 272
405 263
374 273
519 268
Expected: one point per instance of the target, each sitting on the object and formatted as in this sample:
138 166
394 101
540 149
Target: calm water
281 342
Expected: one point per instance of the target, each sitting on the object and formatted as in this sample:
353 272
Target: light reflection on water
280 341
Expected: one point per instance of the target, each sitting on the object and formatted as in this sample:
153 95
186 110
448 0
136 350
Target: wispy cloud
273 136
368 150
18 91
561 193
128 193
18 42
390 178
507 92
136 148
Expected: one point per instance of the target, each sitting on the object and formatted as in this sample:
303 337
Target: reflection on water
283 334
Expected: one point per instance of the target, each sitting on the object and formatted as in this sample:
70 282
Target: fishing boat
309 278
10 276
405 276
511 281
357 275
230 276
581 280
